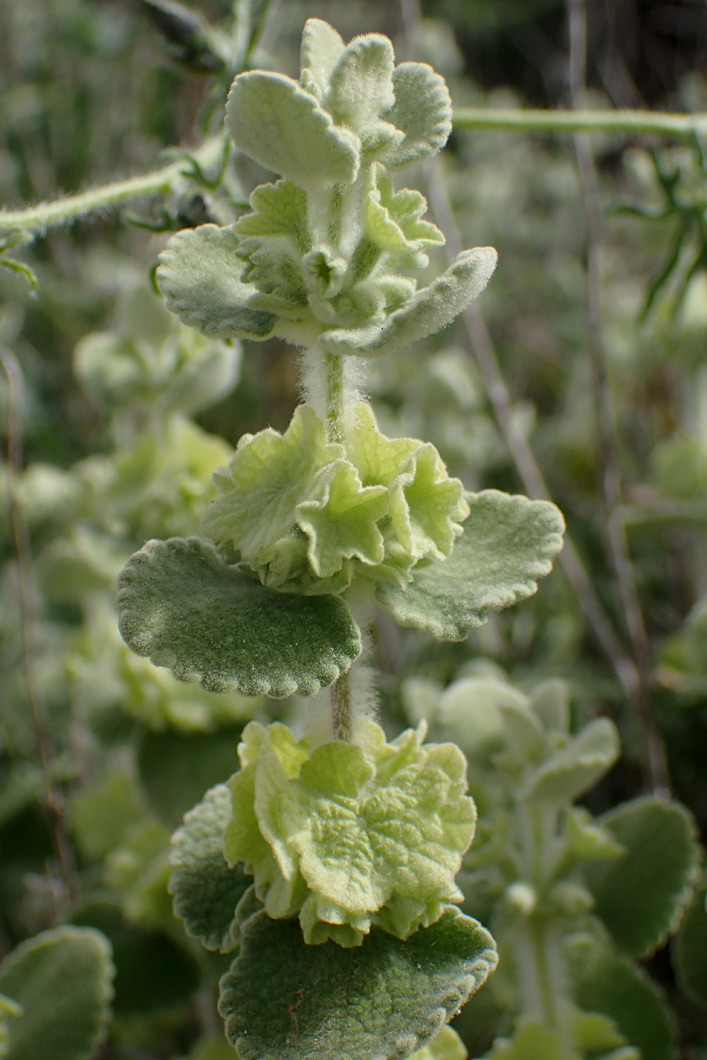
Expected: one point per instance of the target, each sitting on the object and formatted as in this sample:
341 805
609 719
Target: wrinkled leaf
508 543
422 110
284 999
184 608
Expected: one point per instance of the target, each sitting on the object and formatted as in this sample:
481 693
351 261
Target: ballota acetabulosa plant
336 876
358 838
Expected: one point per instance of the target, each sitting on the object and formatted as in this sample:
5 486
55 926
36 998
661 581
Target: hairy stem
36 219
53 799
523 457
341 709
628 122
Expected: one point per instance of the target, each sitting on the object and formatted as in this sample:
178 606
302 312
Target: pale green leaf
283 127
279 210
431 309
184 608
508 543
446 1045
355 836
285 1000
605 983
587 840
61 979
321 50
269 476
641 896
361 87
531 1041
550 703
575 767
469 710
206 889
524 736
690 949
341 522
422 110
393 220
200 276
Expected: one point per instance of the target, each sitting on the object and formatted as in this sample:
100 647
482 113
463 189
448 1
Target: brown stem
53 799
611 478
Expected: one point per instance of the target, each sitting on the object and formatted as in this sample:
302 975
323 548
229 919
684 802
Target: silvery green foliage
330 255
310 515
570 898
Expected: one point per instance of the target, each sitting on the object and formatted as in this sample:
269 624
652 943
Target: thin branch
610 480
36 219
521 453
627 122
53 799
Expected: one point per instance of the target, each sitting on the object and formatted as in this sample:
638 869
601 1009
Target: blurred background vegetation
597 393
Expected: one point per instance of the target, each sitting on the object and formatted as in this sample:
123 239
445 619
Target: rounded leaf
422 111
184 608
283 127
285 1000
61 979
641 896
690 948
200 276
507 544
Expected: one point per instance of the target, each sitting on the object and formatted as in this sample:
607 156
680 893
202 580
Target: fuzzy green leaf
342 521
321 50
348 837
603 982
508 543
184 608
269 476
576 767
393 220
431 309
285 1000
422 110
61 979
283 127
690 949
641 896
200 276
206 889
360 86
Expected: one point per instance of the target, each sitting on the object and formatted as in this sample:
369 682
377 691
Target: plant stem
53 800
341 709
36 219
627 122
335 396
611 483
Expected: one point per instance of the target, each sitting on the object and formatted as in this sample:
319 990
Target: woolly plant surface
184 608
285 1000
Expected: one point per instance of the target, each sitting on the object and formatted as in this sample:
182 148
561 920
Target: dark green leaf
182 606
385 998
